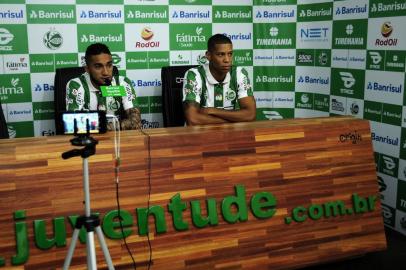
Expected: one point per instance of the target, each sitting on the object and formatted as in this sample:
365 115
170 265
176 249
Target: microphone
107 82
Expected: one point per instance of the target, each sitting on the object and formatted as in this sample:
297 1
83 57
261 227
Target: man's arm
133 119
196 116
246 113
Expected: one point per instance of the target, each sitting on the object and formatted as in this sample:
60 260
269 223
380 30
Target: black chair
172 82
62 76
3 125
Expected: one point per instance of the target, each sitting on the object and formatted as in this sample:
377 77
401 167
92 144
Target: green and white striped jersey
200 86
82 95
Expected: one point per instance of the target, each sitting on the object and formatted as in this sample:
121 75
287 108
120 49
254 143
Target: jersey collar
210 77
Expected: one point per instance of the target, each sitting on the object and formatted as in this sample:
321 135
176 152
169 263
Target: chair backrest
3 125
172 82
62 76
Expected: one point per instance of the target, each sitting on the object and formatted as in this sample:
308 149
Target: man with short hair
218 92
83 93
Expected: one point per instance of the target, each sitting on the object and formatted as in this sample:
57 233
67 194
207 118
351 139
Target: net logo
375 57
351 10
310 80
93 38
386 32
147 34
278 79
317 33
337 105
275 14
12 15
43 87
274 32
53 39
42 14
90 14
190 15
184 38
13 90
349 29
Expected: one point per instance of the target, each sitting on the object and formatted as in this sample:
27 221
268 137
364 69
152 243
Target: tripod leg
91 251
72 245
103 245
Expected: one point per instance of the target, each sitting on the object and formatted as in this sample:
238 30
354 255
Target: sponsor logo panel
376 60
150 37
44 128
388 165
13 14
283 99
190 2
401 199
103 33
242 57
137 60
402 168
386 34
19 112
263 57
315 12
43 110
158 59
42 86
385 138
356 59
146 14
305 113
350 34
355 107
240 34
321 102
49 14
266 14
314 80
395 61
66 60
274 36
152 120
338 105
401 221
199 57
13 39
146 82
386 8
387 184
16 63
274 79
190 14
274 113
49 38
15 88
100 13
392 114
304 100
347 83
273 2
339 58
20 129
189 36
179 58
284 57
389 215
42 63
349 10
232 14
264 99
387 87
402 153
314 35
373 111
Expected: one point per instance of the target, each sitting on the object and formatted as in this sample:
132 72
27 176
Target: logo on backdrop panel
53 39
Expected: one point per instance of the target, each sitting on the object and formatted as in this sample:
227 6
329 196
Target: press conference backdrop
306 58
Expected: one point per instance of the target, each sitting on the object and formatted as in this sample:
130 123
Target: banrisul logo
348 83
100 13
387 8
232 14
146 14
385 40
51 14
315 12
53 39
114 36
12 14
15 88
388 88
350 34
274 79
313 80
274 36
279 13
351 9
189 36
196 13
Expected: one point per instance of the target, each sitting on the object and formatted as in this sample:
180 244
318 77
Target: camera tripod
90 222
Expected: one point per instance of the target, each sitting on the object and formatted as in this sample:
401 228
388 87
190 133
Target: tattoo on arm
133 120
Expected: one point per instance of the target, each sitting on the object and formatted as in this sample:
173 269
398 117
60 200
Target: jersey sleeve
243 82
74 96
192 87
130 100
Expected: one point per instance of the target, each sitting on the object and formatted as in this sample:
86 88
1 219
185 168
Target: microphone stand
90 222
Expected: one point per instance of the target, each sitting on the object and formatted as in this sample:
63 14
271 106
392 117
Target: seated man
83 93
218 92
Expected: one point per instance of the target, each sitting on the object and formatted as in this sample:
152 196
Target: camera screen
81 117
